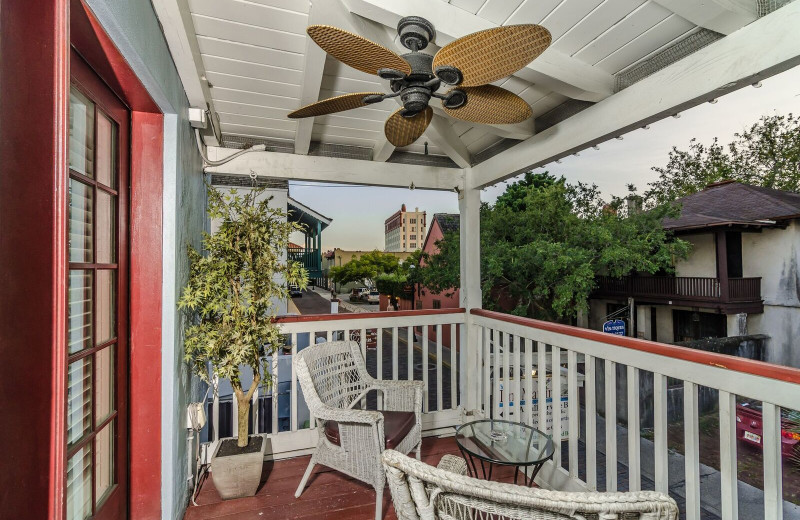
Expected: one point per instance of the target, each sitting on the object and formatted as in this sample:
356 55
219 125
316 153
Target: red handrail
747 366
361 315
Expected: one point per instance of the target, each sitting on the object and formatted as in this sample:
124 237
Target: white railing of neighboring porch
385 338
511 345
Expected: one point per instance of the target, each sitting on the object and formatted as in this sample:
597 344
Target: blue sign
614 327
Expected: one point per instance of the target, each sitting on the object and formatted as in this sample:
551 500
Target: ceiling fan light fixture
449 74
415 99
456 98
391 74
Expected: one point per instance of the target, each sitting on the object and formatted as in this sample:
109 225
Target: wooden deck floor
329 494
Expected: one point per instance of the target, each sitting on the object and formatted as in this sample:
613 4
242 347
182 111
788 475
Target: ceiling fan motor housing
415 32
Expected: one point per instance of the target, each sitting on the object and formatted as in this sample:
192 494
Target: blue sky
358 212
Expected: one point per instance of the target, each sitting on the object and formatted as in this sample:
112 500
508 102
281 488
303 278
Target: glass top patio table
504 443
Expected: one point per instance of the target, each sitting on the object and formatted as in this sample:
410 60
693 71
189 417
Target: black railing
684 288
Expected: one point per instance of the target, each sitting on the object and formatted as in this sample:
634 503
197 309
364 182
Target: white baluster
660 432
773 468
410 351
439 386
425 365
529 346
591 424
516 372
555 367
634 421
541 394
727 451
691 440
574 411
611 424
395 355
454 368
379 368
295 389
487 373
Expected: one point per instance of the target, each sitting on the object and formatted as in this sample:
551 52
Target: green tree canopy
766 154
365 268
544 241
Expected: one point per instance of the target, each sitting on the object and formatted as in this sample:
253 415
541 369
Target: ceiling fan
468 64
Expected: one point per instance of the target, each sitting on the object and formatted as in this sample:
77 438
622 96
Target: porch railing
516 348
688 288
419 345
311 259
512 366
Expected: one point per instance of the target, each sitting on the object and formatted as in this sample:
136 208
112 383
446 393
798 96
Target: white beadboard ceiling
253 57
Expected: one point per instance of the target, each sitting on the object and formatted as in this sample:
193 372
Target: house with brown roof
741 278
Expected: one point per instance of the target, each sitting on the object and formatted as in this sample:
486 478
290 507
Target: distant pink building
442 223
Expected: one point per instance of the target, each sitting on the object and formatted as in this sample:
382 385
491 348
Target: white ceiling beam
312 75
334 169
553 69
722 16
759 50
178 28
382 150
442 134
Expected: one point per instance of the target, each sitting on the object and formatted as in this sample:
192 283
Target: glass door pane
92 296
79 484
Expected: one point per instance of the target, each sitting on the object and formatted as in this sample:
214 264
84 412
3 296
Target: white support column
469 204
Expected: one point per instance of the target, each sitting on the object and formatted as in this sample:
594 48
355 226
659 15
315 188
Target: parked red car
749 428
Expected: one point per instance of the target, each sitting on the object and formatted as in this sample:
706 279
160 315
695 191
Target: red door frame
35 40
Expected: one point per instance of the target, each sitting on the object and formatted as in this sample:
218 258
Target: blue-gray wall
134 28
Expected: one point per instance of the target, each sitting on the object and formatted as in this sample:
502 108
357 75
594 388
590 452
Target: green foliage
394 285
544 241
441 272
766 154
365 268
233 288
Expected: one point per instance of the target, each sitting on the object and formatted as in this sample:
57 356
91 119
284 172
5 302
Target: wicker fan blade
330 105
489 55
402 131
360 53
491 105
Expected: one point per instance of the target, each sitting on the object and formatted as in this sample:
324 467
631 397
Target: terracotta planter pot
236 472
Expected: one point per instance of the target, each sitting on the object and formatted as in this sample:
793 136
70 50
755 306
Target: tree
365 268
394 285
232 292
767 154
544 242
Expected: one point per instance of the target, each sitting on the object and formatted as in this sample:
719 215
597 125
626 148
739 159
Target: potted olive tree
231 298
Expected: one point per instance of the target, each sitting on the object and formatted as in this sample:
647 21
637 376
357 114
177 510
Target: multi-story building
405 230
740 279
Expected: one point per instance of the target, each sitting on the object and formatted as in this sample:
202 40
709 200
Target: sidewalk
751 499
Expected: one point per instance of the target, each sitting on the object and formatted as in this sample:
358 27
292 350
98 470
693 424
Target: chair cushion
396 426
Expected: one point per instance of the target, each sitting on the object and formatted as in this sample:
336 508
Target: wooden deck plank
329 494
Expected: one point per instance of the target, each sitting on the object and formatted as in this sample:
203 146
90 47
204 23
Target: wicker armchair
422 492
334 380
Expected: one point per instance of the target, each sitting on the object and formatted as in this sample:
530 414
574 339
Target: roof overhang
302 214
608 72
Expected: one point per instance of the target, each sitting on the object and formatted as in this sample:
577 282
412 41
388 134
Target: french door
97 299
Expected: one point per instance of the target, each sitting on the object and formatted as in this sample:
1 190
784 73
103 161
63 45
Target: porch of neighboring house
310 253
